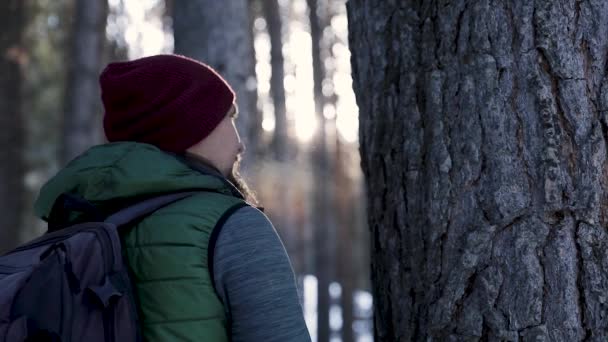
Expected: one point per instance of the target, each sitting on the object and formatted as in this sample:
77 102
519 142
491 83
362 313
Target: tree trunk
83 106
347 237
12 134
277 89
218 33
483 143
324 232
258 149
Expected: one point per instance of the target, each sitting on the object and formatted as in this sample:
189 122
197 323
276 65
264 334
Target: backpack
72 284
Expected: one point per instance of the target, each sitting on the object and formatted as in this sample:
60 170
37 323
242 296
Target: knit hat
169 101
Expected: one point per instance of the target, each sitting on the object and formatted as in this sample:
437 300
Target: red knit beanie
169 101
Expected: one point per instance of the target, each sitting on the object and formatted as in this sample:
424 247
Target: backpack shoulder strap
67 203
144 208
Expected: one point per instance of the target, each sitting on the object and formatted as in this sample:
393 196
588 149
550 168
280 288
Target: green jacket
167 251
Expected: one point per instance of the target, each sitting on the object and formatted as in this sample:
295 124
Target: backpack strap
67 203
144 208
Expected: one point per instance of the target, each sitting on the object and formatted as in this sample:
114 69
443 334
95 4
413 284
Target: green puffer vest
168 250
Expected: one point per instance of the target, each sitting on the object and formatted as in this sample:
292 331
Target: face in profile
234 159
223 148
223 145
231 146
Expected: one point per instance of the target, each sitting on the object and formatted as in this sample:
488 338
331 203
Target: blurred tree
169 8
219 34
325 239
117 48
483 142
45 40
82 103
12 134
346 217
259 148
283 209
280 141
345 201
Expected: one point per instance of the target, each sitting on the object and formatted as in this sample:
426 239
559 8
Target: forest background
462 197
290 66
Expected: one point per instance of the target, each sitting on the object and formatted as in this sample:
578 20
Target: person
209 267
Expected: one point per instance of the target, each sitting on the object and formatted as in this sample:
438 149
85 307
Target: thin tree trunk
169 4
280 144
218 33
83 106
255 129
346 215
483 142
344 202
277 89
12 134
324 234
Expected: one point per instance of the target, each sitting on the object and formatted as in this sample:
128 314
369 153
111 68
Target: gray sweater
254 279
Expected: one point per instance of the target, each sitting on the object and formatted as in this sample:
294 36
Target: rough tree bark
82 103
12 132
280 140
219 33
483 142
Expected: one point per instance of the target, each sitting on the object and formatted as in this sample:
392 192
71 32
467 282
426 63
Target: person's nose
241 148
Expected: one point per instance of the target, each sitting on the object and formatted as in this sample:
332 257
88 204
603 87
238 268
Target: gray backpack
72 284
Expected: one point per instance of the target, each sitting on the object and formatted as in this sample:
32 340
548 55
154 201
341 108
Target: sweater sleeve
255 281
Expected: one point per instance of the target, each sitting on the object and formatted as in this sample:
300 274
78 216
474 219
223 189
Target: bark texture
218 33
82 103
483 132
12 130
